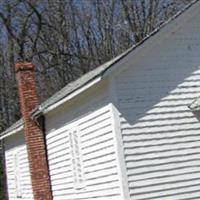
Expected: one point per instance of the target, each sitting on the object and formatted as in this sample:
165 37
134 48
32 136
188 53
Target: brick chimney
34 136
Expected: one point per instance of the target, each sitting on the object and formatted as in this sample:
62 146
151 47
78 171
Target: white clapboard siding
160 134
15 145
99 165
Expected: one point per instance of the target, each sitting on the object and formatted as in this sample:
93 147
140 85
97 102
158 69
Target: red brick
34 136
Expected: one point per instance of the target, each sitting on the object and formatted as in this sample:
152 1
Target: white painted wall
91 113
15 144
161 136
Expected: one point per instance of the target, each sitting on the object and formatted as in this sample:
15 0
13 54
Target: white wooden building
129 129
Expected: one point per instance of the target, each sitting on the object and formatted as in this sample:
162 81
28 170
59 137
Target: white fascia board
12 132
72 95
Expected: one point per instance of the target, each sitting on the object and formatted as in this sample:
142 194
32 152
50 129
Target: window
76 158
17 175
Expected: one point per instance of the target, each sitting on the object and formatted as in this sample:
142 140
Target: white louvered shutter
17 175
76 158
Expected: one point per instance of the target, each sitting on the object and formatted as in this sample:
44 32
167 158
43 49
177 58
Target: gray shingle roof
98 72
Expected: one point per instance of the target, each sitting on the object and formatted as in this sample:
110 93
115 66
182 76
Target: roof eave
39 111
17 127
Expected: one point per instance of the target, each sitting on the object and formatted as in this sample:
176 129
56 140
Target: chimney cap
23 66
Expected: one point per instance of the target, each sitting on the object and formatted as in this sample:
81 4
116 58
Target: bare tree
66 39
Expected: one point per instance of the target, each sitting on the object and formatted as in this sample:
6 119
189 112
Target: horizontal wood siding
15 144
161 136
101 180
